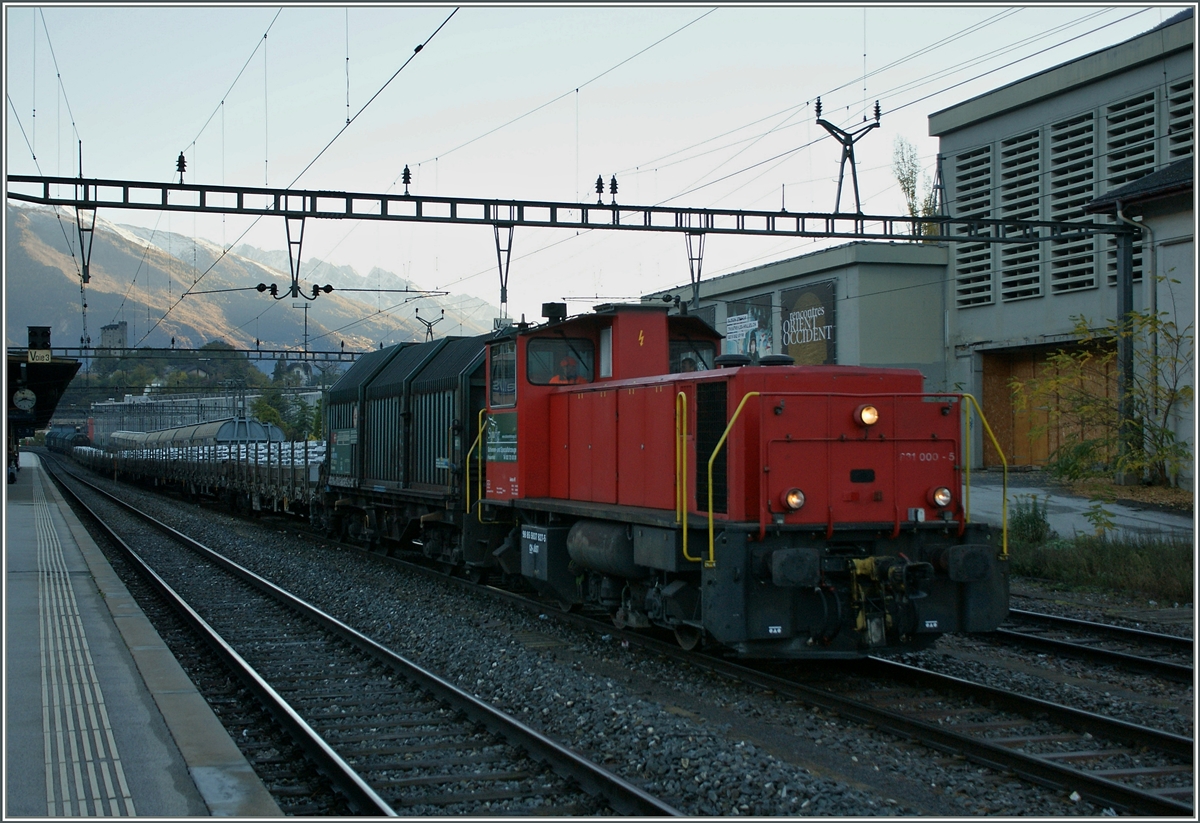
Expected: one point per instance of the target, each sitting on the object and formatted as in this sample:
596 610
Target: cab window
503 379
691 355
561 361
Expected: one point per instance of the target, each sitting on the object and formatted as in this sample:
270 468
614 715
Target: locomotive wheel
688 637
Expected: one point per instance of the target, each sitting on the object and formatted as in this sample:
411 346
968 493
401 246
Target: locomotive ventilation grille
711 407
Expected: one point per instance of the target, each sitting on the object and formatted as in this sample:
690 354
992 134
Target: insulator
818 108
406 177
274 290
877 112
262 286
599 184
181 164
612 186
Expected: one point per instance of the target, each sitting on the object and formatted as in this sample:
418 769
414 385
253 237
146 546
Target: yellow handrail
967 472
716 449
681 513
467 464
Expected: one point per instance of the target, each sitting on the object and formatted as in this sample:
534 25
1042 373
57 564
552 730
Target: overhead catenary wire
574 90
58 75
66 239
259 43
225 251
657 163
411 57
909 103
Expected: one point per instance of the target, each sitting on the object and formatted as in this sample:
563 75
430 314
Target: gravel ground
705 745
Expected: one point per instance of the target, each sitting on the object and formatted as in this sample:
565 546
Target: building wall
1172 226
1041 149
1045 162
114 336
887 304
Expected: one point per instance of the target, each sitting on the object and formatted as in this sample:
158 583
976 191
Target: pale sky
699 106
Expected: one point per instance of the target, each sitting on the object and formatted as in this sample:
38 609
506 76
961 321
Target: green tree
264 412
318 423
1072 389
906 166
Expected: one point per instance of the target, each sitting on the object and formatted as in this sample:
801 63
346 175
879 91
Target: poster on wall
808 322
748 327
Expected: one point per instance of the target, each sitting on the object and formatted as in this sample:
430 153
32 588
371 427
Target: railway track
1112 764
1115 764
391 736
1102 643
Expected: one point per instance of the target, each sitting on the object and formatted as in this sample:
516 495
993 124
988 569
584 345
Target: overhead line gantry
504 215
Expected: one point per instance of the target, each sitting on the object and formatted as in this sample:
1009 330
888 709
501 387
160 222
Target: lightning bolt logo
641 337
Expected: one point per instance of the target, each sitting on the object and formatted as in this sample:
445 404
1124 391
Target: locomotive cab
531 369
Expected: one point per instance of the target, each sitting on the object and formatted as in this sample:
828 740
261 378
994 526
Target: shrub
1158 567
1027 522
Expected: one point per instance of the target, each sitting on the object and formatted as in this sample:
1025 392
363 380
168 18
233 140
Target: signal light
866 415
39 337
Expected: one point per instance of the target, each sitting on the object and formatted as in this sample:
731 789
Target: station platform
99 718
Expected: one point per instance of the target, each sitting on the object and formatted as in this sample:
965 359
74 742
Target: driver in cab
567 373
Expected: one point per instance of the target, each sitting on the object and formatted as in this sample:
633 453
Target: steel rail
625 798
1179 672
1122 632
361 796
1077 719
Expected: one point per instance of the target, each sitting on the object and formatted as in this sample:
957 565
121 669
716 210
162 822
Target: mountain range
139 276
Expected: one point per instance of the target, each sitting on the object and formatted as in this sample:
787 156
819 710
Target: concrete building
1044 148
1163 205
114 336
859 304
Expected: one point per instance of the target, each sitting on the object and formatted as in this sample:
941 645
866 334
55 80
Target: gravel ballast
703 744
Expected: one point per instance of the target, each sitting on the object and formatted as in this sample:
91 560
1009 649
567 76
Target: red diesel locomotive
777 510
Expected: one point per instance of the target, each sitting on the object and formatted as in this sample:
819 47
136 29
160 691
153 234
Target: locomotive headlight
866 415
793 499
940 497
